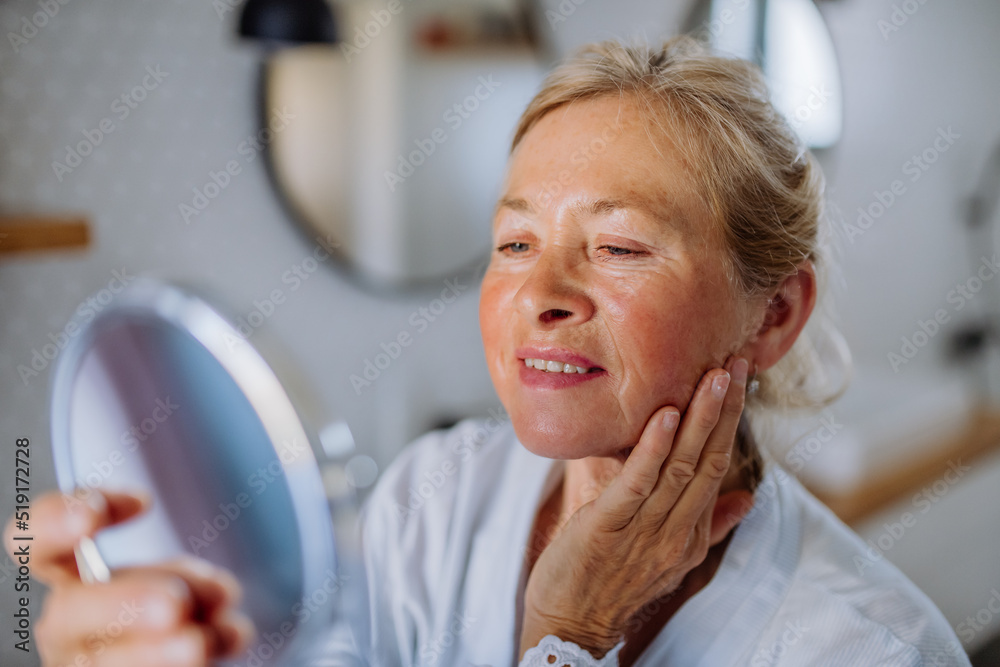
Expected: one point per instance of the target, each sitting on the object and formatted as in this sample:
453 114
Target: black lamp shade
288 21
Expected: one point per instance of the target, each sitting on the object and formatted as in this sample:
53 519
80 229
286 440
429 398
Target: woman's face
605 258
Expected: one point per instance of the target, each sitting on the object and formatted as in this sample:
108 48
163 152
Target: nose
553 293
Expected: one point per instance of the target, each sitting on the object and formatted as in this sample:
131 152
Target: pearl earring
754 384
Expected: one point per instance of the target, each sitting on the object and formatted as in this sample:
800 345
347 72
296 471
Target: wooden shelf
980 437
23 234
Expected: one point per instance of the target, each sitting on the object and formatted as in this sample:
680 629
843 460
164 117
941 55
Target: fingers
214 595
155 603
59 520
700 448
185 608
156 598
713 463
630 488
700 419
187 648
178 613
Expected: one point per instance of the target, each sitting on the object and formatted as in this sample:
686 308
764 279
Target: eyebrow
600 206
593 207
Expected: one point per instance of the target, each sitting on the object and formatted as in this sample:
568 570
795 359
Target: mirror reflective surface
790 41
160 393
389 148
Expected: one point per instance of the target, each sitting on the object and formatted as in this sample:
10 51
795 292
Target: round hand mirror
159 392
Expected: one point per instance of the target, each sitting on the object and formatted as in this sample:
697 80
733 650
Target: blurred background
327 171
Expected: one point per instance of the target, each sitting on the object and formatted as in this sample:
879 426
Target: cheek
495 299
667 339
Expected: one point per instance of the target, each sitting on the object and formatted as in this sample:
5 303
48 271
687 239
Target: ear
784 317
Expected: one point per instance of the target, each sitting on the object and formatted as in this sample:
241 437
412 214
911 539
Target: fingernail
234 592
80 521
200 566
719 385
236 630
160 612
181 650
740 369
144 497
670 419
96 501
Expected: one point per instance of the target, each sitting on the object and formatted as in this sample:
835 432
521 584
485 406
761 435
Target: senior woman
656 258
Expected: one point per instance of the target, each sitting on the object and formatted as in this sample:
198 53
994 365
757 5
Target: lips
559 377
560 355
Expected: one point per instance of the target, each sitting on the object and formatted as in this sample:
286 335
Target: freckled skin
655 319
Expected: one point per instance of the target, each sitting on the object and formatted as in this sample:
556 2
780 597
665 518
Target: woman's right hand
649 528
181 613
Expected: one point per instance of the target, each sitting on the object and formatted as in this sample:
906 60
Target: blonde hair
761 182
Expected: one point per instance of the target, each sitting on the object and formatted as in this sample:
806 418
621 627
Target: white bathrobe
446 530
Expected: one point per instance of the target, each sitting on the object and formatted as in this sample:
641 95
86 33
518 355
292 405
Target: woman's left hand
649 527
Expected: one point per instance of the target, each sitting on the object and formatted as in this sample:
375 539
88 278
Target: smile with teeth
554 366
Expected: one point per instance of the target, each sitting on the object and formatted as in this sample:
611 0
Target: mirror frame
316 510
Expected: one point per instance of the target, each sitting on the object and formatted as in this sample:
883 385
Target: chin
563 438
